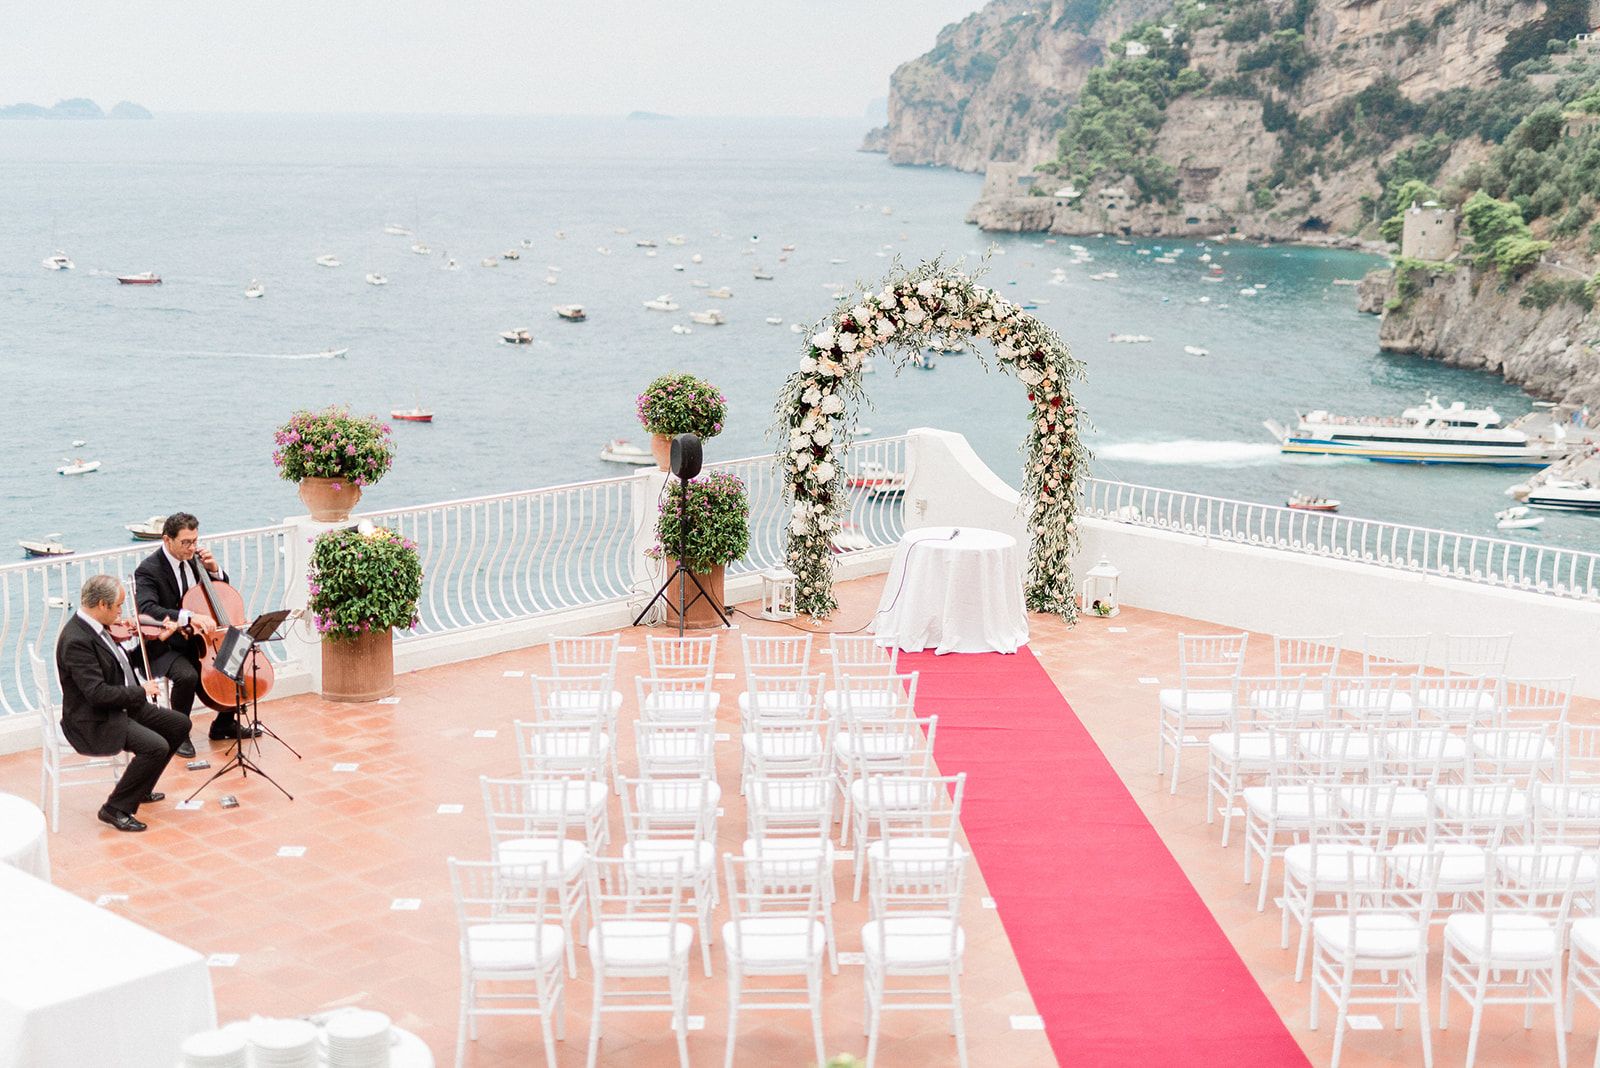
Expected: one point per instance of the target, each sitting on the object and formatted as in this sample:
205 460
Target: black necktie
183 579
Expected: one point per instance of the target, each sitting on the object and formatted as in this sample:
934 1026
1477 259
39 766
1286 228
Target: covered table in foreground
953 590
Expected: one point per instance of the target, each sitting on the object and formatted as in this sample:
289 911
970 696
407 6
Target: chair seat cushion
780 797
783 745
1288 703
570 746
1585 936
1335 863
894 794
564 857
1293 803
769 940
1549 864
1378 936
864 701
1370 702
873 745
638 943
1247 748
912 852
912 941
1201 704
1576 802
1518 937
1456 703
1522 747
514 947
1461 865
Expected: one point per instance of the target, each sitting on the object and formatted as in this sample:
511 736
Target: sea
176 389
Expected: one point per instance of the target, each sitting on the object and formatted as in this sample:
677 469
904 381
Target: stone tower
1429 234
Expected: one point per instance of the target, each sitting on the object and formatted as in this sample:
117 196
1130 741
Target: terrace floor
318 930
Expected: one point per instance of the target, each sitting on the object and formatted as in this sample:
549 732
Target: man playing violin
162 579
104 707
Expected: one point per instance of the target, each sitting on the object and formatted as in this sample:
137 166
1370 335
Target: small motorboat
550 279
78 467
676 239
788 248
775 320
488 261
415 414
572 313
1519 517
677 267
697 258
679 328
143 278
149 530
49 545
396 230
511 254
255 290
873 475
450 264
709 317
762 276
377 280
663 303
644 242
1131 339
421 250
1307 503
516 337
527 242
58 262
78 443
621 451
720 293
332 354
1196 350
329 261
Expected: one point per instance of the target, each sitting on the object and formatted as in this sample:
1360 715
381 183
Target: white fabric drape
953 590
22 837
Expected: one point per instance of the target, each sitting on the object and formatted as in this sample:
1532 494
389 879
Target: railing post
649 490
302 642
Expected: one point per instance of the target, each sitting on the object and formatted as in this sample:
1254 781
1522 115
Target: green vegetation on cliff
1500 236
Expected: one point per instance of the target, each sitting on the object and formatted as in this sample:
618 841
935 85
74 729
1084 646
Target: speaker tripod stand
684 464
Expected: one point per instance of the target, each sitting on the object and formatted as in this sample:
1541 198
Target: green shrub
1544 293
363 581
332 443
718 513
1248 24
682 404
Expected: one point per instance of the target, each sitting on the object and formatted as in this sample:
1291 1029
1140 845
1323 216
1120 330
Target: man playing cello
161 580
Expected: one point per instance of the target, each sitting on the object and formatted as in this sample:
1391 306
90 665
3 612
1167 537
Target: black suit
101 714
177 658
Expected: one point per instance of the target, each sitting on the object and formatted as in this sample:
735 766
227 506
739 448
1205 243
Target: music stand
235 660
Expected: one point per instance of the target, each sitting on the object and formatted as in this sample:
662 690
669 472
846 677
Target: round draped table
22 837
953 590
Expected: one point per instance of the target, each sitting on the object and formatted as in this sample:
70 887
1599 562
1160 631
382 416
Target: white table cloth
80 985
23 843
953 590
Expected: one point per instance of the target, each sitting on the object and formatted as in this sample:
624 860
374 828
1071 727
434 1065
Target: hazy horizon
684 58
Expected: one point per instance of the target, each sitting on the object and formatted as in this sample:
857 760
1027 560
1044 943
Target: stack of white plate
215 1049
283 1044
357 1038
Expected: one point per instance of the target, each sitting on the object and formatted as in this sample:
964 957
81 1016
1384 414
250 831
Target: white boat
511 254
526 243
663 303
49 545
679 328
1196 350
762 276
78 443
621 451
709 317
1429 433
450 264
775 320
332 354
550 279
603 250
149 530
677 267
255 290
720 293
1247 292
58 262
837 260
328 261
1103 276
421 250
488 261
696 258
396 230
377 280
516 337
572 313
1517 518
1565 495
923 361
676 239
644 242
1131 339
78 467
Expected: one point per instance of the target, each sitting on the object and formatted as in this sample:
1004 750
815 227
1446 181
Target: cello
220 601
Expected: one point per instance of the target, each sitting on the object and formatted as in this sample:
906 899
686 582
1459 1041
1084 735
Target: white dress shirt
185 576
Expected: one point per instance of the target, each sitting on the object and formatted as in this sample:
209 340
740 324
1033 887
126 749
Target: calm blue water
177 389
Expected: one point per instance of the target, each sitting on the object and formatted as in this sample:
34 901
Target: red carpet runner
1123 959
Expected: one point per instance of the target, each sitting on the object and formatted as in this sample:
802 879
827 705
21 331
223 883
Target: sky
582 57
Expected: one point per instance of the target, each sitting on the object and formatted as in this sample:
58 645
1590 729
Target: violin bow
144 650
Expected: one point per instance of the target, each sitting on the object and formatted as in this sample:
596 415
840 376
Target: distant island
76 108
649 115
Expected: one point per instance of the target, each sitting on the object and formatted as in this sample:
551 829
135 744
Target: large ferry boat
1429 433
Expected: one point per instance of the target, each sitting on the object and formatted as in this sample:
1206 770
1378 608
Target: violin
150 629
222 603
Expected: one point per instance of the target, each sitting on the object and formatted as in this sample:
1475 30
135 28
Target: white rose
830 368
811 396
808 366
1032 378
860 313
832 405
927 288
799 525
797 437
887 298
823 436
823 339
914 314
824 472
825 524
847 342
802 460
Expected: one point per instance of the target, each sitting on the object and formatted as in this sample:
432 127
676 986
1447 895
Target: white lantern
1099 596
777 593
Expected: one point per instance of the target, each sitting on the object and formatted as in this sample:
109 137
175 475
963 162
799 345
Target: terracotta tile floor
318 930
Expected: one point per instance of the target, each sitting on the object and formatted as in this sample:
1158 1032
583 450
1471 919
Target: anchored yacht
1429 433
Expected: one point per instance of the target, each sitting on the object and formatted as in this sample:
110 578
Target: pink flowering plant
680 403
362 582
332 443
718 512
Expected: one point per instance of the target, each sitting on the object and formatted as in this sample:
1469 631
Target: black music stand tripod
685 464
232 657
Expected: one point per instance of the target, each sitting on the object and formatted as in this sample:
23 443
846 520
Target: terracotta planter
358 669
701 613
661 449
329 499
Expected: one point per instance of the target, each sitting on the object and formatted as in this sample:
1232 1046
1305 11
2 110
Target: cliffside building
1429 233
1007 180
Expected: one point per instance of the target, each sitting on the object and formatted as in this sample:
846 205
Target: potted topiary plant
364 583
716 513
680 404
332 455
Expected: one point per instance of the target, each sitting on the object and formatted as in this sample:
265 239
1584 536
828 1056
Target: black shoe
228 731
186 750
152 797
120 820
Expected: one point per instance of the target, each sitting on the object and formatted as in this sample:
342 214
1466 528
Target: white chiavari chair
915 931
1209 669
776 930
671 825
639 932
525 837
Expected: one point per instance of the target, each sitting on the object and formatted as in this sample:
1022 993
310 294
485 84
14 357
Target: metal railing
36 597
1514 565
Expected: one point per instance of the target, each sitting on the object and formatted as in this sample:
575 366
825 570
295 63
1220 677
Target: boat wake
1216 453
196 354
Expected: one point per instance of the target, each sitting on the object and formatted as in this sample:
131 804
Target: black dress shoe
120 820
152 797
228 731
186 750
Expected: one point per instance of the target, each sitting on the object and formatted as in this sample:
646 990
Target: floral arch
912 309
